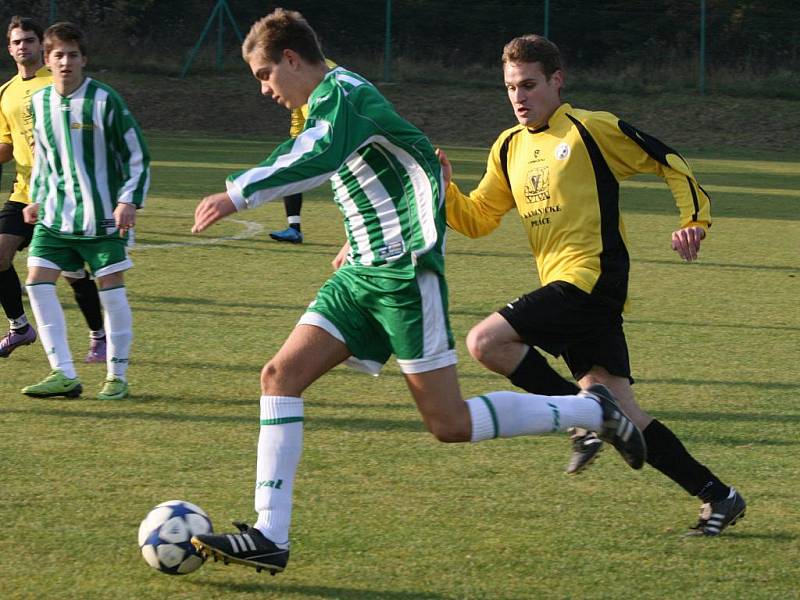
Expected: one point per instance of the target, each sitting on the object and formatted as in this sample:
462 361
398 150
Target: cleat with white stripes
618 430
585 448
248 547
716 516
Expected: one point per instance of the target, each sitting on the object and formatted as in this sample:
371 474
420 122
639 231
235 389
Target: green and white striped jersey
386 178
89 156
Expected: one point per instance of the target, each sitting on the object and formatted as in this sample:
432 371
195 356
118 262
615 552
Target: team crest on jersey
537 184
562 151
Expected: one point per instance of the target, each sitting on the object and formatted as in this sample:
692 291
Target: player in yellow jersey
560 169
16 140
293 203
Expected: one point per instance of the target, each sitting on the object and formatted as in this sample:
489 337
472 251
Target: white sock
293 220
118 322
509 414
280 444
52 327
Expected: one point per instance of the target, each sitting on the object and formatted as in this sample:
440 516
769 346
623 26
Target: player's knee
479 344
277 380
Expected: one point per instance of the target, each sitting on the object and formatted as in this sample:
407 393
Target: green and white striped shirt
386 178
89 156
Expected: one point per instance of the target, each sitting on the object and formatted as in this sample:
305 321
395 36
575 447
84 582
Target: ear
557 78
292 58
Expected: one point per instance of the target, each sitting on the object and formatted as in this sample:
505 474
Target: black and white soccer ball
165 537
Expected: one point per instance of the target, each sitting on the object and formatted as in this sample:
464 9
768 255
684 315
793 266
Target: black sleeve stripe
694 199
504 155
654 147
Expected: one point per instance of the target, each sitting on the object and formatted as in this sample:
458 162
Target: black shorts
563 320
11 222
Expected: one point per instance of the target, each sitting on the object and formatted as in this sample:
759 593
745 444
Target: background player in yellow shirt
560 169
16 140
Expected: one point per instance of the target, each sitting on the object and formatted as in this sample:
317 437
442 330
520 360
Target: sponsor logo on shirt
537 184
393 249
86 126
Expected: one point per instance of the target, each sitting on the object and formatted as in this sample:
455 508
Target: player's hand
30 214
211 209
341 257
447 168
124 217
686 242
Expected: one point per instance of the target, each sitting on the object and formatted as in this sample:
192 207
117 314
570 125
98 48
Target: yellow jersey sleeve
480 212
630 151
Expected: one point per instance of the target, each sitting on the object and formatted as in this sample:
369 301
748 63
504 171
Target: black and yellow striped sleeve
629 151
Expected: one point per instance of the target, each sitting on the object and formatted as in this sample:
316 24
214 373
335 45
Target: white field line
251 229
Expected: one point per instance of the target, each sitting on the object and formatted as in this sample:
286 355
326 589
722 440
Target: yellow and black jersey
16 125
563 179
299 114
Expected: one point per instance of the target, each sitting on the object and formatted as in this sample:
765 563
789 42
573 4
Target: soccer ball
165 534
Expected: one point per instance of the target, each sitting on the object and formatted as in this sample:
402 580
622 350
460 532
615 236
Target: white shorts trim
429 363
115 268
38 261
371 367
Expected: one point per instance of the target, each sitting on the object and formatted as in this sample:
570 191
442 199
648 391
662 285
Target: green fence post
387 47
547 19
702 82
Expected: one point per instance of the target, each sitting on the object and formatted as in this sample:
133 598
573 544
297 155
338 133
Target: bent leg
496 345
10 291
495 414
307 354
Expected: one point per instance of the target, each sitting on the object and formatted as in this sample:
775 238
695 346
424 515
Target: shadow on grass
288 590
312 422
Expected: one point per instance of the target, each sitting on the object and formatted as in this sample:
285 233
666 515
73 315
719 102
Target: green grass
382 510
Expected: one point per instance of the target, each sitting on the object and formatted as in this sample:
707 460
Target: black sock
87 298
666 453
293 204
11 294
295 226
536 376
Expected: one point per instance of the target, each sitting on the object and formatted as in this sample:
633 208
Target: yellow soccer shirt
563 180
16 124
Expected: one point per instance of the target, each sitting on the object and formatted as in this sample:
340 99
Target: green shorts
104 255
376 317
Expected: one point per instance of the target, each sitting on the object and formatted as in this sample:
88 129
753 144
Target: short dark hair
26 24
282 30
64 32
533 48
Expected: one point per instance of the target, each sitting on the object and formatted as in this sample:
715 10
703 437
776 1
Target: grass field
382 510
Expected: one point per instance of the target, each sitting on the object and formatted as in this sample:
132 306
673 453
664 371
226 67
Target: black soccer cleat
585 448
248 547
716 516
618 430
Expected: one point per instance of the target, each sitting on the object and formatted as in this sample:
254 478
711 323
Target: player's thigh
439 401
107 258
559 315
308 353
342 308
49 251
414 314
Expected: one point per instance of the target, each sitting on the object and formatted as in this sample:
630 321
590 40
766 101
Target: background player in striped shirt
91 173
16 140
560 169
389 298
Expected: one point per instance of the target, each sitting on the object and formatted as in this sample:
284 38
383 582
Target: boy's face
24 47
66 62
533 96
281 81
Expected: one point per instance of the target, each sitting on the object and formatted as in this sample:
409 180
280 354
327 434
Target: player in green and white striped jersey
389 298
91 173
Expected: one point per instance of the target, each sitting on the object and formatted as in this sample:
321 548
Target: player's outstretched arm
686 242
211 209
341 257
